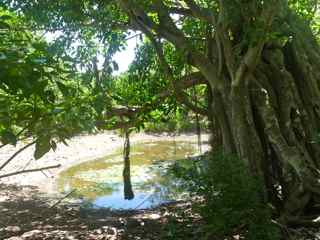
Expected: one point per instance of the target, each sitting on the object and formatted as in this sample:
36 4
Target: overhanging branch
185 82
16 154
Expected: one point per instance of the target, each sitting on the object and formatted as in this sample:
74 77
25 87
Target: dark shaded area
26 214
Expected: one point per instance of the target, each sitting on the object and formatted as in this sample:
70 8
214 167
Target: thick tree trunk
271 118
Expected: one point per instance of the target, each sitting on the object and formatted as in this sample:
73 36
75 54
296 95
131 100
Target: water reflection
103 181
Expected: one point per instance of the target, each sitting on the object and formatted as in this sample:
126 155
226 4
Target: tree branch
181 11
29 171
181 96
184 82
168 30
251 58
203 14
16 154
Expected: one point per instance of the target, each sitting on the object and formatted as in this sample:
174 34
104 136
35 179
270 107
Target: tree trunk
270 119
264 89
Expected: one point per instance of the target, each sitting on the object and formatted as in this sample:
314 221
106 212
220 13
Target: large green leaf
42 147
8 137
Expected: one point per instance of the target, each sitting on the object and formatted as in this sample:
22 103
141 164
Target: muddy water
100 183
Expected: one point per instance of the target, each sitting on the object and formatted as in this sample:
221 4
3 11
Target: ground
31 209
28 215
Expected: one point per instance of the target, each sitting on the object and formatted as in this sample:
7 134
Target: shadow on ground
25 214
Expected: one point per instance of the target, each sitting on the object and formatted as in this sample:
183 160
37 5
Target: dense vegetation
40 96
249 67
231 197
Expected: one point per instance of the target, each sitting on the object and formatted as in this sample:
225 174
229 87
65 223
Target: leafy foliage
232 200
39 93
304 8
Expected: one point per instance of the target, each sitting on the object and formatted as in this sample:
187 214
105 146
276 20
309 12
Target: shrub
232 201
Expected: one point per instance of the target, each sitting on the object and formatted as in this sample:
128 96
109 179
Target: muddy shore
80 149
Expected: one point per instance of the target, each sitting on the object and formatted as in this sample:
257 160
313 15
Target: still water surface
100 182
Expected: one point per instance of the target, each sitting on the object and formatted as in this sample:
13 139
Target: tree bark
275 116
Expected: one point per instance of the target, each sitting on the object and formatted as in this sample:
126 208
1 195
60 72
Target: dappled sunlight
29 216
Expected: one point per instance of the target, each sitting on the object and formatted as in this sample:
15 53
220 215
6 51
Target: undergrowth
231 202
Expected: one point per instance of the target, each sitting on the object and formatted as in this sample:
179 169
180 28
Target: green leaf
53 145
50 96
63 88
6 17
8 137
4 25
42 147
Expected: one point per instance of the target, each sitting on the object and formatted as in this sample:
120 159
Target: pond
100 182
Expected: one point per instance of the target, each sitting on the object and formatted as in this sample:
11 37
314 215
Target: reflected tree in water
128 192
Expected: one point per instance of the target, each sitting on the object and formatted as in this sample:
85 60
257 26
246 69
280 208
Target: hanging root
128 192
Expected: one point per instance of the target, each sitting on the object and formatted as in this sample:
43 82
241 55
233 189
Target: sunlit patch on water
100 181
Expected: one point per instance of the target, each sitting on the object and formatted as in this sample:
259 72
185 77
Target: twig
144 200
44 174
16 154
29 171
41 214
61 199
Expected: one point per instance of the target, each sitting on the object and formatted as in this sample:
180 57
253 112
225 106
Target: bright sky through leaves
123 58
